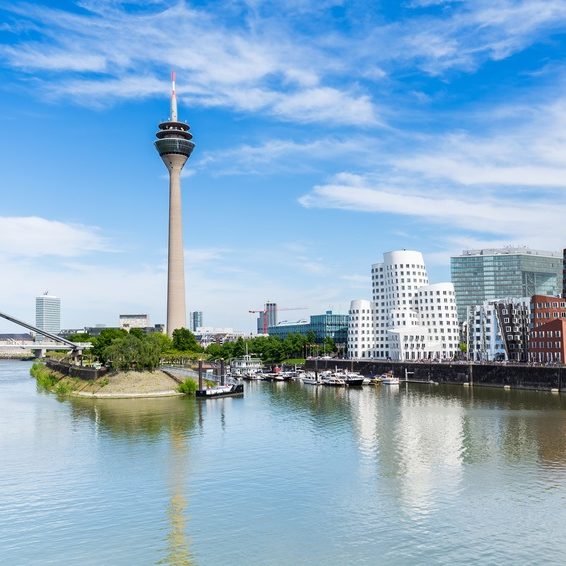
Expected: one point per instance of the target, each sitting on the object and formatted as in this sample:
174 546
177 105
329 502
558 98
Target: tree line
122 350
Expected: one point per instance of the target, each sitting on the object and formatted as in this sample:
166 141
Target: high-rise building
408 319
175 147
267 318
48 313
488 274
195 320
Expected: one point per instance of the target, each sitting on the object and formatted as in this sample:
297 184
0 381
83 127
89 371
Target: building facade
547 341
327 325
267 318
408 319
488 274
195 320
128 321
484 341
48 314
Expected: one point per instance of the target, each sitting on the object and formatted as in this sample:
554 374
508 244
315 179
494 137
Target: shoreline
119 385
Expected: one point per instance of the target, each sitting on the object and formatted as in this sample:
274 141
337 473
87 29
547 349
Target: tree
130 352
138 333
104 339
184 340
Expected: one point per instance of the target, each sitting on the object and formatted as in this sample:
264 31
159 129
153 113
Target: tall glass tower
48 314
482 275
175 147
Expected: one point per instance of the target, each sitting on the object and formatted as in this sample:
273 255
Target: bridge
60 343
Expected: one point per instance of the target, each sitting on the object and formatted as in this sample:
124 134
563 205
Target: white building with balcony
409 319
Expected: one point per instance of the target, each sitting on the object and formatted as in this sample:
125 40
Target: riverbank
118 385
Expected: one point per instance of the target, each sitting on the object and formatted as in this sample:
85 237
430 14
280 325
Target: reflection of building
48 313
482 275
195 320
408 319
327 325
128 321
547 341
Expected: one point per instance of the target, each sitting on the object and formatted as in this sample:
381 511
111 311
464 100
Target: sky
327 132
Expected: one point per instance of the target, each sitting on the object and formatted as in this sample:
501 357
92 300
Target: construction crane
265 310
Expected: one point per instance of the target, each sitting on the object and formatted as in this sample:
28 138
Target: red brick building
547 339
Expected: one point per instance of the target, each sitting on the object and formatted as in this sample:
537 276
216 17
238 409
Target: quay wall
75 371
482 374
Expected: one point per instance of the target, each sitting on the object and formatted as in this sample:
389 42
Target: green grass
188 387
294 361
51 382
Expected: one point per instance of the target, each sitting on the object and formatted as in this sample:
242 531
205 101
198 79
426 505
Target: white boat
310 378
332 379
389 380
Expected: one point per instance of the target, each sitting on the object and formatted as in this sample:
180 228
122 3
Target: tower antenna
173 98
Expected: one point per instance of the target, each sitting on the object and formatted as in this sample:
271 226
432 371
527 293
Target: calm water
290 474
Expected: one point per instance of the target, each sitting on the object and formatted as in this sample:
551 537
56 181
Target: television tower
175 147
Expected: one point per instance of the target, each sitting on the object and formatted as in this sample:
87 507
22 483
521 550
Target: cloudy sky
327 132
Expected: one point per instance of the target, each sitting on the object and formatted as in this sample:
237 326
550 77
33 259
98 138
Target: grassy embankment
52 381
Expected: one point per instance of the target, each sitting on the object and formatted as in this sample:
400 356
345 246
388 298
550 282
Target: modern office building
408 319
195 320
48 313
488 274
327 325
128 321
175 147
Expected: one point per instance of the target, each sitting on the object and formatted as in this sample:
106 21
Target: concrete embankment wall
488 375
75 371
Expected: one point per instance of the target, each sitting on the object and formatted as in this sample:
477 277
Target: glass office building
483 275
325 325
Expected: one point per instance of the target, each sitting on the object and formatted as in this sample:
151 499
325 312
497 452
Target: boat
353 379
310 378
389 379
221 391
332 379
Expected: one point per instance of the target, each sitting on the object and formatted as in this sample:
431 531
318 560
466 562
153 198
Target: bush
43 376
188 387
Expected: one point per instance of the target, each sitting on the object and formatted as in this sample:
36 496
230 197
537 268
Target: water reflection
140 419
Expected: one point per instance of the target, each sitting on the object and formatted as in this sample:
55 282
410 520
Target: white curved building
410 319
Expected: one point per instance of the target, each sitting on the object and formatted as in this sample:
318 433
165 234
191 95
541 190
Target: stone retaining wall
76 371
489 375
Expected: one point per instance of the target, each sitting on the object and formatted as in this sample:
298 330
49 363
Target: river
290 474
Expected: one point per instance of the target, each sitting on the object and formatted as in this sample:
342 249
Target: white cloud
31 236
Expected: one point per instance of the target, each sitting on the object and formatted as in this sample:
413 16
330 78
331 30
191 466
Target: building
48 313
267 318
195 320
175 147
484 341
206 335
564 273
488 274
547 340
408 319
327 325
499 330
128 321
246 365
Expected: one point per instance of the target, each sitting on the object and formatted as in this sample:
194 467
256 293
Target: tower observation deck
174 146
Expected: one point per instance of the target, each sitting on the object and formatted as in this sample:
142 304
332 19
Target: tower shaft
176 310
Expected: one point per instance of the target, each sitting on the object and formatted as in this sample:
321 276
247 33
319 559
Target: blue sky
327 133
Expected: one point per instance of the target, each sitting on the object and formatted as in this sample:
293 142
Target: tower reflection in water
151 420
